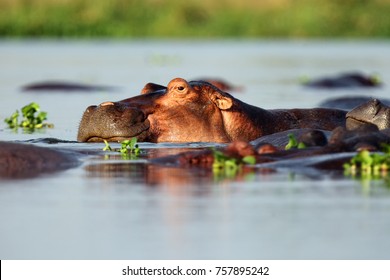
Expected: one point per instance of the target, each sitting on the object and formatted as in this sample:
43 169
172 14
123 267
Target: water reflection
159 175
162 167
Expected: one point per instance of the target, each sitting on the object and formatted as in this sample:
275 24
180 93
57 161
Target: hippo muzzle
112 121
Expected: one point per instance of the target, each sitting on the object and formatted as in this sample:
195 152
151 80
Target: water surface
119 209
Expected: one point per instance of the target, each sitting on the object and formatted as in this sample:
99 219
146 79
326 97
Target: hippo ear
151 87
223 102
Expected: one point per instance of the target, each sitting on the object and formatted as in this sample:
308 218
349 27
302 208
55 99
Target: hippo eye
180 88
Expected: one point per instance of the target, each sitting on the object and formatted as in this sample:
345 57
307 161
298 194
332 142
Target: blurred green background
195 18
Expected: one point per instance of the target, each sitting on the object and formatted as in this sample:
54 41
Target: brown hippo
21 160
372 112
348 102
194 112
221 84
65 86
347 80
320 154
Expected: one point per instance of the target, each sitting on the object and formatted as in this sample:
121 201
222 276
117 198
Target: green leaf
30 109
129 146
249 159
107 146
42 116
129 149
301 145
133 142
365 157
30 120
292 142
13 120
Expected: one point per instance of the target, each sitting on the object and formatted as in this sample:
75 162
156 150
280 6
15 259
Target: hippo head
372 112
181 112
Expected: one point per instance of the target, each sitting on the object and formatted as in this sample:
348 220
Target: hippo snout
112 121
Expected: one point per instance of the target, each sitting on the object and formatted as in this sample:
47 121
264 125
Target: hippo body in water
194 112
339 147
62 86
21 160
349 102
369 129
347 80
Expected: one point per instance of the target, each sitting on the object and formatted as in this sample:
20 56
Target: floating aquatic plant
368 167
227 166
365 163
33 118
293 143
129 148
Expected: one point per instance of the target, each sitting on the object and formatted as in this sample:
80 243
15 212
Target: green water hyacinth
229 166
33 118
293 143
129 148
369 167
13 120
368 163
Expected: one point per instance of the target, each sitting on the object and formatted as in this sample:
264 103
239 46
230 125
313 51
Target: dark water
119 209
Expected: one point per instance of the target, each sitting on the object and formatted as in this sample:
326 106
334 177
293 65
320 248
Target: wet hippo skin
347 80
348 102
194 112
19 160
65 86
371 112
330 155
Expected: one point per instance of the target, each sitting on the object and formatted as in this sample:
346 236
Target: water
120 210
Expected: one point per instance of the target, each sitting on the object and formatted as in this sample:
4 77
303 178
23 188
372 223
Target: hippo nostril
107 103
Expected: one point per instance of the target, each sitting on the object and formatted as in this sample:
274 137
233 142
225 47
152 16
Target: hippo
194 111
221 84
347 80
65 86
22 160
372 111
330 154
349 102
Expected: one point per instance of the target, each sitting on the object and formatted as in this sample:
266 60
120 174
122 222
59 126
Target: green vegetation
369 168
366 163
33 118
195 18
229 167
293 143
129 148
